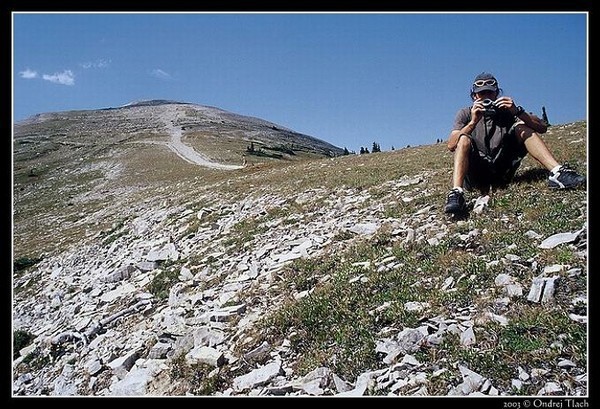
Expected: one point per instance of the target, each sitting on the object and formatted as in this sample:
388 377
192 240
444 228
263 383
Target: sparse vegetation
163 281
197 379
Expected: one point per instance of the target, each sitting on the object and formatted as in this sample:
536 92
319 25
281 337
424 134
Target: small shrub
162 282
20 340
23 263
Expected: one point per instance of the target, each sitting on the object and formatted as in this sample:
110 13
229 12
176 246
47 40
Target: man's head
484 82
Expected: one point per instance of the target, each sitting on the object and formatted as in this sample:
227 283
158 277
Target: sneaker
565 178
455 202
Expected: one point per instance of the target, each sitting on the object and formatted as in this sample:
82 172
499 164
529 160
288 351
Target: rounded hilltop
153 102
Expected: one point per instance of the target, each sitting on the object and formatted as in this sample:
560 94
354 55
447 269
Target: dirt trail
169 117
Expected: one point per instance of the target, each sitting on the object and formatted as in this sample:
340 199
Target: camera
489 107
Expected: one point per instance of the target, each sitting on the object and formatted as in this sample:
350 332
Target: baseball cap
485 82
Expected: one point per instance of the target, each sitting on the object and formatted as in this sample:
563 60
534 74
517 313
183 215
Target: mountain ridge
231 135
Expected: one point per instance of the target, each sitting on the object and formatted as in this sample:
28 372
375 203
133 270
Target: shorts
486 172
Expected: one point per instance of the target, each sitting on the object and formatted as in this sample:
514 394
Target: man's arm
455 135
468 123
529 120
533 121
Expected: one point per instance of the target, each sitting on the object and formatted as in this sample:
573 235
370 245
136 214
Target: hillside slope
98 160
337 276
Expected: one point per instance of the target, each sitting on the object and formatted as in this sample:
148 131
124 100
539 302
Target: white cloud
65 78
95 64
28 74
158 73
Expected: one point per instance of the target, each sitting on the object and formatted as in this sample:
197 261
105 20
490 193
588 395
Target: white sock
460 189
555 169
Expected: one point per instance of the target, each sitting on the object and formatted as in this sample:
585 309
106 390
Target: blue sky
350 79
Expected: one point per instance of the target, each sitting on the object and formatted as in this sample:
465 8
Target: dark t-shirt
489 132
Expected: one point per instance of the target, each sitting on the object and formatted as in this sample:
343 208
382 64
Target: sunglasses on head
482 83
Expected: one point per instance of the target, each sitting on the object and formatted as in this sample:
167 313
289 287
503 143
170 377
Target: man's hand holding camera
488 107
506 103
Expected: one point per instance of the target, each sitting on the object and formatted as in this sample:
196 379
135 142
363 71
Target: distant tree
362 150
376 147
544 116
346 152
393 147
